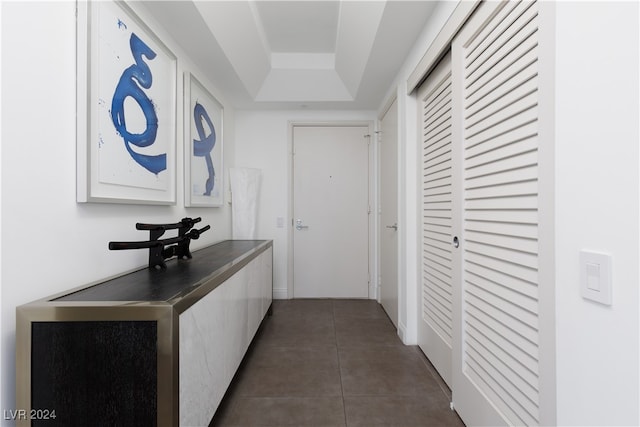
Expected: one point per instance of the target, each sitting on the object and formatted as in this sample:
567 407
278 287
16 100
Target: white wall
263 142
49 242
597 179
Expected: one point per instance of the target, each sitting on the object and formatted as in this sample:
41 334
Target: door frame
373 200
378 216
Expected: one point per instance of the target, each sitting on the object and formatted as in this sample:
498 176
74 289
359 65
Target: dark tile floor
334 363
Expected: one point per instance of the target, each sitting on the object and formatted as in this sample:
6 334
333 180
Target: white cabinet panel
202 329
215 334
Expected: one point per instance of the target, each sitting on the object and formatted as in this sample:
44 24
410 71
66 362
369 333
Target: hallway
334 363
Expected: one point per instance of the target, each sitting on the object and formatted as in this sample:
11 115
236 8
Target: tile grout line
344 405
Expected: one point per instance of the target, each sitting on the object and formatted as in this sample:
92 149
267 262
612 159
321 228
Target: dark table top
179 278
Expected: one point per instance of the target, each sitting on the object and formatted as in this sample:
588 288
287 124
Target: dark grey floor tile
385 371
290 372
285 411
303 307
358 308
334 363
298 331
223 412
365 332
391 354
405 411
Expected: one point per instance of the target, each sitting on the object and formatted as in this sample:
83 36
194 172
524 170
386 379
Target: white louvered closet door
496 331
434 118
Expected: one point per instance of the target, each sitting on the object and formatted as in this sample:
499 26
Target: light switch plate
596 276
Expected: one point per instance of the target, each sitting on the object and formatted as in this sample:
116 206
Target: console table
153 347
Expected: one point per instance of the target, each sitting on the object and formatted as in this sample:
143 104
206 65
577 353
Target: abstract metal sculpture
161 249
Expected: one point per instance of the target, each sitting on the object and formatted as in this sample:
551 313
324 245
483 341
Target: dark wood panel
178 278
94 373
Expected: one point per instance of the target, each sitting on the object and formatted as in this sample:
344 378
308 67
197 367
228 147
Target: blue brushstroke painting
132 82
204 146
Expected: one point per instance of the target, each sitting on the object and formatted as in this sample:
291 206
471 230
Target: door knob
456 242
394 226
299 225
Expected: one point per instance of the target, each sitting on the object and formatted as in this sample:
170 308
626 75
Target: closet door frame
546 181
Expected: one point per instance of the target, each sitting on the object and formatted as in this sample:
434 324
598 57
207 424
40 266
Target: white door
331 211
388 142
436 302
495 270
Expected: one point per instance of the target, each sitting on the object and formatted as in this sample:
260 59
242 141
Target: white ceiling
323 54
296 26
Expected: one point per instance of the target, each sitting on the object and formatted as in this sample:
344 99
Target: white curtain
245 190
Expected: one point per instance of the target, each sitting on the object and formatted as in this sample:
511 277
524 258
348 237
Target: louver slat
509 149
439 154
525 379
502 98
440 276
440 114
505 356
518 333
497 165
436 236
525 231
521 68
513 403
511 381
507 268
482 325
525 131
436 210
438 224
509 49
505 406
511 288
510 33
500 212
504 241
487 33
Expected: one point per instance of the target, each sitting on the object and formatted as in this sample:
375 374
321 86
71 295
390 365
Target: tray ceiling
296 54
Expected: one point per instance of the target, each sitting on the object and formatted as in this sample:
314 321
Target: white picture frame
126 108
204 146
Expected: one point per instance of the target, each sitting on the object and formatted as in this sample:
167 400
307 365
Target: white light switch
595 276
280 222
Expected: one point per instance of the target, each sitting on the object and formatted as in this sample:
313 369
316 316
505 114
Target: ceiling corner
233 25
357 29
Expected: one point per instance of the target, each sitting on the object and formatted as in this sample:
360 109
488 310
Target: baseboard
402 331
279 293
374 292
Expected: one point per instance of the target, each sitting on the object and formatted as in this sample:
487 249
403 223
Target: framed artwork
204 176
126 139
